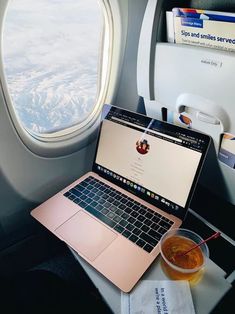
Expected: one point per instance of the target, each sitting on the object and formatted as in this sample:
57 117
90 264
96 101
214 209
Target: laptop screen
157 161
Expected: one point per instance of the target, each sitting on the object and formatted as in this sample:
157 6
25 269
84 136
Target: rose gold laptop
143 178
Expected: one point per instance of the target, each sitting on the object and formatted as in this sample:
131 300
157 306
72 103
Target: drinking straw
213 236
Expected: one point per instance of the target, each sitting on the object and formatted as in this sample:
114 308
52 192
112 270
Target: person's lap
41 291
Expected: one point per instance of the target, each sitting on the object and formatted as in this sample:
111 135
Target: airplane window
55 62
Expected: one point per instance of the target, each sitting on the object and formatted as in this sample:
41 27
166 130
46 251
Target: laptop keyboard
133 220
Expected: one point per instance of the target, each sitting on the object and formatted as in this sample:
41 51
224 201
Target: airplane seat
175 80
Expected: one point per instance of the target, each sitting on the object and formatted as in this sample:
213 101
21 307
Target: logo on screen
142 146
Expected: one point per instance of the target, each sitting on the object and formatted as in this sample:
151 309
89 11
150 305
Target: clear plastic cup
183 267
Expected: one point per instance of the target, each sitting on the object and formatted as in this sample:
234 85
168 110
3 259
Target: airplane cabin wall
27 179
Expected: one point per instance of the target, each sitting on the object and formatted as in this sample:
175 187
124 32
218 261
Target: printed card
227 150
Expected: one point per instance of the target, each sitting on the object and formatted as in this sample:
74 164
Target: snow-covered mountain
51 53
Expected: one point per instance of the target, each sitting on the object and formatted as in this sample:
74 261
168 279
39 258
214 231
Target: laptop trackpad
86 235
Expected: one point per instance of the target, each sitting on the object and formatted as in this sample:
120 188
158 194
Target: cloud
51 53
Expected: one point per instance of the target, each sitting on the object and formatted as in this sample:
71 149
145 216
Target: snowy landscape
50 54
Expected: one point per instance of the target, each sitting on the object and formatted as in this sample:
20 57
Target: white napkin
158 297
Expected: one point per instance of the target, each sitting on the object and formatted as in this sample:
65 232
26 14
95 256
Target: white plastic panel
147 41
196 78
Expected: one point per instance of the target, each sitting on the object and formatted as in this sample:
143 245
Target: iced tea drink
183 267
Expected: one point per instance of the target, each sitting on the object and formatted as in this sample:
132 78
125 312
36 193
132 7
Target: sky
50 51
